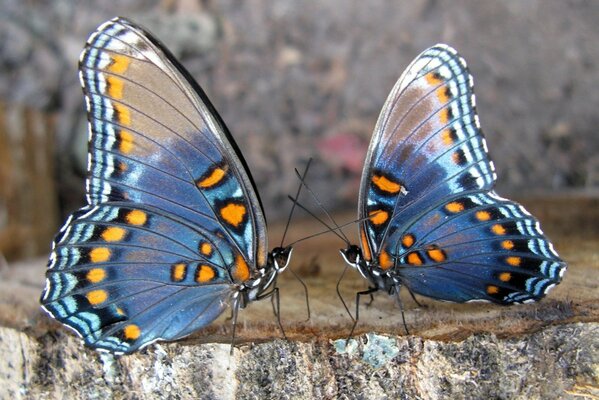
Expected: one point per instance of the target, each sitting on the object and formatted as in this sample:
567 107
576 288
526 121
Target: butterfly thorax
370 270
266 281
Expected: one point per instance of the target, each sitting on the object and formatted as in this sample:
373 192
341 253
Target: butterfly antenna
321 206
329 228
295 203
297 194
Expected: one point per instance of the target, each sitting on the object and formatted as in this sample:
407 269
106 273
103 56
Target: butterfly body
174 231
430 219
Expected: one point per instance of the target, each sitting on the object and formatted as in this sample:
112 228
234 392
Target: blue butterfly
174 231
430 219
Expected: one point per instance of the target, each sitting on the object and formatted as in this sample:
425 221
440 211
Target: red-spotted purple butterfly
174 231
430 219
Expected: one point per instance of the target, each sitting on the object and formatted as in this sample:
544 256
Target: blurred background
299 79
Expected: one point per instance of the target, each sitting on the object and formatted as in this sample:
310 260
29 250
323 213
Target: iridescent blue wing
477 246
156 139
123 275
426 193
174 222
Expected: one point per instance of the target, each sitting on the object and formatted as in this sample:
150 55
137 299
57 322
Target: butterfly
174 231
429 217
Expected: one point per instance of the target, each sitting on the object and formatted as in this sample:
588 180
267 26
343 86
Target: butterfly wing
173 222
477 246
124 275
156 139
427 197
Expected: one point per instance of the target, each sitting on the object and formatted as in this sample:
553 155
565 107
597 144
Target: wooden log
545 350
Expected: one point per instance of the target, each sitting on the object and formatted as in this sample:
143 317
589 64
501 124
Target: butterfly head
280 258
352 255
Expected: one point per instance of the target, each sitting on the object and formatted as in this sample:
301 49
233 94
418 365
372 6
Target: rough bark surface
556 362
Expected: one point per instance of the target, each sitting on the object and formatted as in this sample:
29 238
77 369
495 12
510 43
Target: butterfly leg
305 292
341 297
276 307
370 291
234 313
371 299
403 317
230 317
276 300
415 300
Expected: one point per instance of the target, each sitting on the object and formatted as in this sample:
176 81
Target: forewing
155 139
427 145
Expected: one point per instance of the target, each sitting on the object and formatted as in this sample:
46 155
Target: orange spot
206 249
131 332
385 261
442 94
483 215
365 245
385 184
457 157
99 254
123 113
120 311
407 240
455 207
507 244
119 64
498 229
204 274
492 289
514 261
113 234
433 79
241 271
214 178
447 137
125 142
505 276
121 166
115 87
378 217
95 275
436 254
414 259
96 297
233 213
178 272
444 116
136 217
